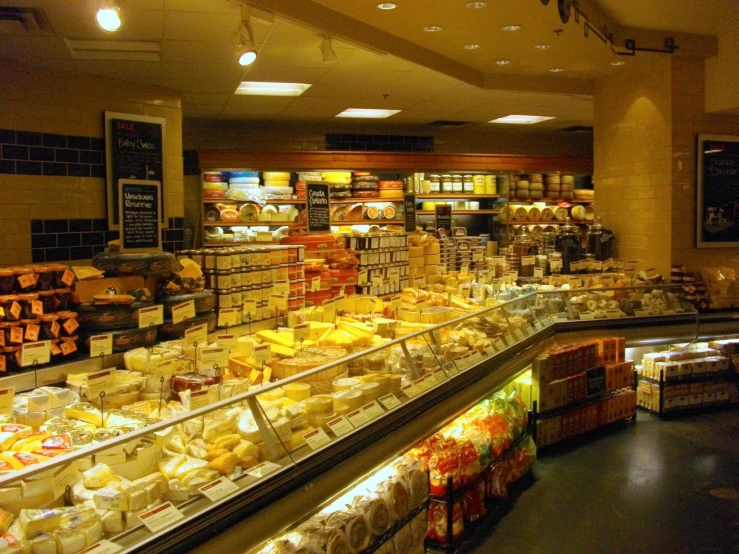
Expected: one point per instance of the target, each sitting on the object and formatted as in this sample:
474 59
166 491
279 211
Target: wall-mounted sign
409 206
444 218
717 205
319 219
134 149
138 215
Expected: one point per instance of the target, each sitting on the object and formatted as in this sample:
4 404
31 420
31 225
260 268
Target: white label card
451 369
390 401
163 369
262 470
151 316
6 400
372 410
64 477
228 317
499 344
315 284
329 312
548 320
641 312
35 352
340 426
101 381
316 438
262 354
301 332
358 418
282 288
249 309
101 345
361 278
210 358
227 341
439 375
509 339
587 316
198 399
669 312
410 390
220 488
183 311
197 334
377 280
102 547
161 517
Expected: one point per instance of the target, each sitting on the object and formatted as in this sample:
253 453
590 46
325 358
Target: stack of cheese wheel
391 190
242 183
214 185
431 256
536 186
416 258
276 185
522 189
319 409
300 188
346 401
501 183
567 186
514 179
339 183
553 188
365 185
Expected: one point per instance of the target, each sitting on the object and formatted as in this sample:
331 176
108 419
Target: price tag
440 376
669 312
316 438
463 362
396 302
548 320
228 317
329 312
587 316
64 477
421 385
102 547
475 358
209 358
498 260
183 311
422 306
262 354
281 287
101 381
357 418
101 345
410 390
315 284
531 329
641 312
509 339
220 488
163 369
361 278
277 302
528 260
198 333
340 302
262 470
465 268
420 282
451 369
249 309
377 280
539 272
477 256
537 325
517 333
35 352
613 314
151 316
499 345
340 426
390 401
6 400
227 341
161 517
301 332
372 410
198 399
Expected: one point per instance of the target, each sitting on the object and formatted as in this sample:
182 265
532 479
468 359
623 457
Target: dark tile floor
643 487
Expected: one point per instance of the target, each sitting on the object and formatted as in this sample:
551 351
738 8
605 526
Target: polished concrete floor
648 486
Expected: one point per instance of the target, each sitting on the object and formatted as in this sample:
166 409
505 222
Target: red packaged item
470 462
498 479
442 466
438 523
474 503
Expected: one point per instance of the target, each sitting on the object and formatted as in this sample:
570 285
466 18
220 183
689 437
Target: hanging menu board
409 207
319 219
139 223
134 149
444 217
717 206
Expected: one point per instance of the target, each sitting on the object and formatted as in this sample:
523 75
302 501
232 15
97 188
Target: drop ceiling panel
78 22
277 74
194 26
315 114
203 6
260 101
134 71
250 112
200 112
334 102
200 99
198 51
196 85
352 78
227 69
304 56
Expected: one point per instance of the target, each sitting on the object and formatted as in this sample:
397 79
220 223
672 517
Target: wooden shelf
453 195
238 243
363 200
229 201
540 222
549 201
254 224
460 212
369 222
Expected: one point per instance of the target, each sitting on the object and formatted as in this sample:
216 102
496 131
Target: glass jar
548 242
568 245
600 241
555 263
28 308
223 299
434 184
24 281
457 184
468 184
10 306
7 280
62 298
523 246
446 183
49 327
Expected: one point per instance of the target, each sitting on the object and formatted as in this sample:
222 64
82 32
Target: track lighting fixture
327 50
243 39
108 16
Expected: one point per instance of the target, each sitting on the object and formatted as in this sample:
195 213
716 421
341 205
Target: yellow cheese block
283 350
284 339
415 251
275 175
431 248
297 391
345 383
320 404
432 259
319 328
416 262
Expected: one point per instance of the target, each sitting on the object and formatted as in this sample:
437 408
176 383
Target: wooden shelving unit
275 202
254 224
549 201
460 212
369 222
455 196
540 222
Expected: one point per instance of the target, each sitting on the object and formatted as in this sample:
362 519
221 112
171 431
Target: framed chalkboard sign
409 208
134 149
444 217
717 202
319 216
138 215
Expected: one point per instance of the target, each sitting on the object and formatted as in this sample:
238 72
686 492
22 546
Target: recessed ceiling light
432 28
511 28
108 16
387 6
521 119
475 5
557 70
543 46
618 63
368 114
502 62
471 46
262 88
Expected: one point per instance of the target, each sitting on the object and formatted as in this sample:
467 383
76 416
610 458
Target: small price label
262 470
509 339
451 369
548 320
301 332
420 282
641 312
361 278
262 354
390 401
161 517
316 438
151 316
228 317
64 477
340 426
198 399
227 341
372 410
537 325
377 280
102 547
281 287
396 302
357 418
499 345
101 381
101 345
184 311
250 309
6 400
410 390
439 375
340 302
329 312
422 306
37 308
209 358
669 312
163 369
35 353
587 316
315 284
196 334
614 314
220 488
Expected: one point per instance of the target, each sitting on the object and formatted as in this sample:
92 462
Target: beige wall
65 104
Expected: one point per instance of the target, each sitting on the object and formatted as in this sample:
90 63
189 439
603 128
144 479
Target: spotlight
243 40
327 50
108 16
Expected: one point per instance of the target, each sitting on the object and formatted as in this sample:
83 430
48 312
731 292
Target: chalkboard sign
444 217
595 381
138 212
319 217
717 206
134 150
409 206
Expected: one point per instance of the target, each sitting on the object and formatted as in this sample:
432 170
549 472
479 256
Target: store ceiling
198 58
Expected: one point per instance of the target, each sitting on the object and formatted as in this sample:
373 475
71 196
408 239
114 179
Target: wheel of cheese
535 178
347 399
553 195
204 301
391 185
365 194
365 178
345 383
522 185
553 179
319 404
212 176
567 196
432 259
566 188
123 339
536 187
243 180
370 391
522 193
431 248
175 331
568 179
297 391
121 265
547 214
279 184
391 193
111 316
276 175
344 277
536 195
364 186
554 188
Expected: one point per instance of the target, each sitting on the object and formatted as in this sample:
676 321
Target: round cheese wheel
569 179
370 391
536 194
243 180
274 183
553 179
297 391
522 185
554 187
319 404
345 383
395 185
276 175
349 399
391 193
536 186
535 178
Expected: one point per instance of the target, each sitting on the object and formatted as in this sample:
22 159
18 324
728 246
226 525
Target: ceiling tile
275 74
207 86
191 51
362 78
194 26
250 112
260 101
300 56
200 99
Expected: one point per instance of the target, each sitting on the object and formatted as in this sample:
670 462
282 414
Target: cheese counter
114 459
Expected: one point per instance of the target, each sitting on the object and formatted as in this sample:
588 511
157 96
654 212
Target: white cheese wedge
44 544
97 476
111 499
